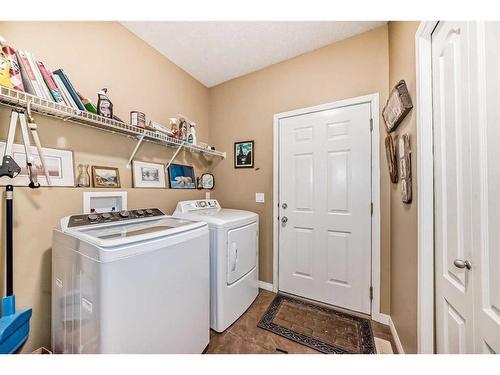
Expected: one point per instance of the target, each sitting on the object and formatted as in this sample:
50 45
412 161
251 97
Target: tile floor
244 337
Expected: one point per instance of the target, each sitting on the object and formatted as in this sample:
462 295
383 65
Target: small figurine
183 129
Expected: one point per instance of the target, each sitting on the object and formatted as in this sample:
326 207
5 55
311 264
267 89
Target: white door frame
425 189
373 99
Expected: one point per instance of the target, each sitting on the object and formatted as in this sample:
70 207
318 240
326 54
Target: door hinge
371 124
371 208
371 293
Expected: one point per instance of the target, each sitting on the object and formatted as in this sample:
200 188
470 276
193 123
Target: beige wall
404 216
94 55
243 109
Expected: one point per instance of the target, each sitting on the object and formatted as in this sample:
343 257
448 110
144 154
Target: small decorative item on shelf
181 177
207 181
390 153
148 175
83 179
192 134
138 119
173 127
105 177
397 107
243 154
104 105
183 129
404 156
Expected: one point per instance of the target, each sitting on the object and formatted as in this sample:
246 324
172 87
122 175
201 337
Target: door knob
284 220
459 263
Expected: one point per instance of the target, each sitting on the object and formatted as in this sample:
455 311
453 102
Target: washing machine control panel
197 205
109 217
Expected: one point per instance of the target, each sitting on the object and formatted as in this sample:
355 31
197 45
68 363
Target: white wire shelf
14 98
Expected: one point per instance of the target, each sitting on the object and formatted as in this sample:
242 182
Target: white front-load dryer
234 267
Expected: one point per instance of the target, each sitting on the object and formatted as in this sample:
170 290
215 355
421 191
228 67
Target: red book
51 84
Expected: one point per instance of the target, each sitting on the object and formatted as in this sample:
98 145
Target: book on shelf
70 88
89 106
27 74
38 76
15 72
49 81
66 96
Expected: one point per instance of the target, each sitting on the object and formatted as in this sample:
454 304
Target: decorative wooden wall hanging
390 153
404 158
397 107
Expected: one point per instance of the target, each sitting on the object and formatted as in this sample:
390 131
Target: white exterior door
325 199
466 93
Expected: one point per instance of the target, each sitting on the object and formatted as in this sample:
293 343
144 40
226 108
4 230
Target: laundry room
213 186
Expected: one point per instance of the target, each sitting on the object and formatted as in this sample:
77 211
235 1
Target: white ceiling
217 51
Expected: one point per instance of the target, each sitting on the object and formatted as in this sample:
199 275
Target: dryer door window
242 247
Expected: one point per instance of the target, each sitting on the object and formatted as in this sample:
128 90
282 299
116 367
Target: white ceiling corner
217 51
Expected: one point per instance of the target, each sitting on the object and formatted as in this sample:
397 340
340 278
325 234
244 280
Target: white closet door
452 187
325 185
485 98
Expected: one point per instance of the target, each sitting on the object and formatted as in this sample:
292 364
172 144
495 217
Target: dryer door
242 247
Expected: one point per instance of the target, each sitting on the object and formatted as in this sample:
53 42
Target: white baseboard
381 318
265 286
395 336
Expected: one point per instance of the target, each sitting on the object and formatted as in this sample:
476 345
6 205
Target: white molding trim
425 189
266 286
395 336
373 99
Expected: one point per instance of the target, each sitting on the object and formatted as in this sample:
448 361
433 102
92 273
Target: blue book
70 88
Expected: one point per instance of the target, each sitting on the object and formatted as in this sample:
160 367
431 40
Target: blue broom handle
9 189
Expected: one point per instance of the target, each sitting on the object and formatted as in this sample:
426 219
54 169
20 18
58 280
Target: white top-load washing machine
130 282
234 248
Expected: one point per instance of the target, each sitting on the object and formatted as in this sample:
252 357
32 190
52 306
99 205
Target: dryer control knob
106 216
92 217
149 211
124 213
139 212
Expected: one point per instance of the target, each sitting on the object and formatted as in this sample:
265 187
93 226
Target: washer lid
220 217
117 234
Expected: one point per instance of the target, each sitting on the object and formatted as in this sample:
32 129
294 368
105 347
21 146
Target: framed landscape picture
148 175
181 177
243 154
59 163
105 177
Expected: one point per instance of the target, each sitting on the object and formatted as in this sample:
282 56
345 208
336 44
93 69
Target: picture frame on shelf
148 175
59 162
181 177
105 177
244 154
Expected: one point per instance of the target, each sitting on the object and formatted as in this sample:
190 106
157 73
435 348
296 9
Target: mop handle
9 190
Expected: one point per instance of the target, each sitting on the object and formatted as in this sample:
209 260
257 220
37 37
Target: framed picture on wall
181 177
105 177
59 163
244 154
148 175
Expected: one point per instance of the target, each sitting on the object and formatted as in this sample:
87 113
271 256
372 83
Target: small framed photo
148 175
181 177
243 154
105 177
58 162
